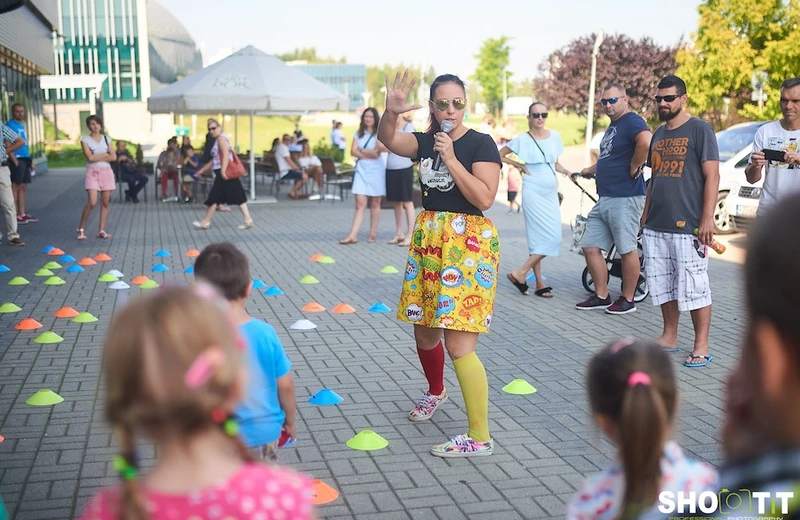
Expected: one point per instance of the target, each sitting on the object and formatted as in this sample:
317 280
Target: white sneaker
426 405
463 446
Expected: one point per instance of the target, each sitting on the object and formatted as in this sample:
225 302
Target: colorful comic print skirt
451 273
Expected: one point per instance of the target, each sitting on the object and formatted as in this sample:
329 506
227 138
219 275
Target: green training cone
44 398
51 265
326 260
9 307
46 338
84 317
18 280
367 440
519 387
54 280
389 269
44 272
107 277
149 284
308 280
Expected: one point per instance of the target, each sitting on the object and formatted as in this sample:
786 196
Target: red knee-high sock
433 366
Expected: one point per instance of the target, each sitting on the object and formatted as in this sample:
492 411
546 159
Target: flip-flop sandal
348 241
707 358
521 287
668 349
542 293
102 234
81 234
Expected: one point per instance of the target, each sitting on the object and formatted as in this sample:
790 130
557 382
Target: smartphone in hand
774 155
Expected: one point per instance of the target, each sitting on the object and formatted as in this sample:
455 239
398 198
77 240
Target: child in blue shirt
268 409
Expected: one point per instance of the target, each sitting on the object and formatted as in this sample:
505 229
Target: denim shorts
614 220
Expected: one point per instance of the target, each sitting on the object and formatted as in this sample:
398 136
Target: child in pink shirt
173 366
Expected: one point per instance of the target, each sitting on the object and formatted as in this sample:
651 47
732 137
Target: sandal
201 224
347 241
692 357
521 287
246 225
372 240
405 243
81 235
396 240
223 208
544 292
102 234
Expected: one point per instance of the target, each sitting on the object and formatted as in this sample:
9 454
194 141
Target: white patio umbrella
248 81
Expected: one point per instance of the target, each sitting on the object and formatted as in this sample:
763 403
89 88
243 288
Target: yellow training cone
18 280
308 280
44 398
519 387
47 338
389 269
367 440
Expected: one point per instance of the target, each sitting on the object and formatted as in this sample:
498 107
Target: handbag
235 167
560 195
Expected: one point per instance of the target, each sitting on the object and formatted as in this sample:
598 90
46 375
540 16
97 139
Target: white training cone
119 285
303 325
116 273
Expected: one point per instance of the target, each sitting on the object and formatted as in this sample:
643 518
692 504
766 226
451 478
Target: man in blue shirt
12 142
21 165
616 216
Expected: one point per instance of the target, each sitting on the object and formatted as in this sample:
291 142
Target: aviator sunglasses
442 104
609 101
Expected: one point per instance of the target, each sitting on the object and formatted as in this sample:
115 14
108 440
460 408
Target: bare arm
16 145
224 152
112 154
755 169
286 398
561 169
589 172
646 208
640 152
403 144
706 228
504 156
96 157
358 153
479 188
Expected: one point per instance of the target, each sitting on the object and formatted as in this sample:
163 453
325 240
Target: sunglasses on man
443 104
669 98
212 128
609 101
537 115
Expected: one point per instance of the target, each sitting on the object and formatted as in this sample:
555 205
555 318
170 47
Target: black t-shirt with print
439 190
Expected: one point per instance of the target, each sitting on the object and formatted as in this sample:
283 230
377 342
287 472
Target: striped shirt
9 136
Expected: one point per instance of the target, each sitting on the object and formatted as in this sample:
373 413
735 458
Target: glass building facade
100 37
350 80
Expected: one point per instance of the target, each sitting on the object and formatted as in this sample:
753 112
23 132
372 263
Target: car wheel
722 221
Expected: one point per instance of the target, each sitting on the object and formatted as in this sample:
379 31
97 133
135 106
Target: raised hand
397 94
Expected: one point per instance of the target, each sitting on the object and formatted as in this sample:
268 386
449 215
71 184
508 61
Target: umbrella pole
252 161
236 132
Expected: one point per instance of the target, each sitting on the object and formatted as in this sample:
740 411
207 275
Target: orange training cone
313 307
56 252
87 261
139 280
28 324
192 253
322 493
343 308
317 257
66 312
102 257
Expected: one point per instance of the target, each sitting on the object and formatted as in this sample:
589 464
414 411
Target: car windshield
733 140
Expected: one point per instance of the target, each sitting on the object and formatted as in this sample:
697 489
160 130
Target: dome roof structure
173 53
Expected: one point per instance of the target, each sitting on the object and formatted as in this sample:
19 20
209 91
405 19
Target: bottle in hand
716 246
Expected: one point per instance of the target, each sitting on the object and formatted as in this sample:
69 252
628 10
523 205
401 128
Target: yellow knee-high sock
475 387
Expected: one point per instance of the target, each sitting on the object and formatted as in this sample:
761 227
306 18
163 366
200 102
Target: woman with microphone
451 273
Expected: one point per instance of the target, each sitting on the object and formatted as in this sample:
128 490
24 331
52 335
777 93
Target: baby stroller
613 259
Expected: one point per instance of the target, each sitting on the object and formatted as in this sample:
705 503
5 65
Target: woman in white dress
369 181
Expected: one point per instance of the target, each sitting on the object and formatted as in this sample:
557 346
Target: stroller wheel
641 289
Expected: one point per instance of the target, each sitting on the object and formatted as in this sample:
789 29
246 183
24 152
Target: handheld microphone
447 127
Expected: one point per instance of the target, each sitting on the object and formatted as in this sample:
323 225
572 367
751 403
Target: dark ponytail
631 383
433 124
132 502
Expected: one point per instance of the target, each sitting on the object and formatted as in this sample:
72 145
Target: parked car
741 204
735 144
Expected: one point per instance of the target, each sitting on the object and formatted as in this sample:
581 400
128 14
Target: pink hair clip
204 367
638 378
619 345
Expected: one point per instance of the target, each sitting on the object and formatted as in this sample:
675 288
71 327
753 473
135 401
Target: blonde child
268 409
633 397
173 367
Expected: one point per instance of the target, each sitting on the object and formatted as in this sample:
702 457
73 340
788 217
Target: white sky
446 35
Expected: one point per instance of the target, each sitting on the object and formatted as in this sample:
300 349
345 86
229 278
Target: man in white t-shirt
288 169
782 177
339 141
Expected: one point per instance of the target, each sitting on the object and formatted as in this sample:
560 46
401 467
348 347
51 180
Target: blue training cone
273 291
160 268
379 307
4 268
325 397
75 269
189 270
66 258
532 277
163 252
47 249
258 284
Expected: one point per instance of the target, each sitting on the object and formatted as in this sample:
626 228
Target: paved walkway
54 458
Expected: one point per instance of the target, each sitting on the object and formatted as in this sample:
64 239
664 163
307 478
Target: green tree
734 39
492 61
310 55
